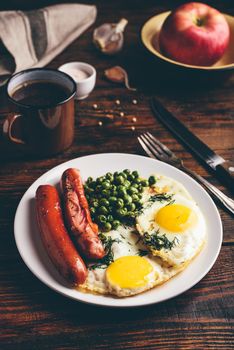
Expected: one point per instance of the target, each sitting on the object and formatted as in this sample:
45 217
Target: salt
77 74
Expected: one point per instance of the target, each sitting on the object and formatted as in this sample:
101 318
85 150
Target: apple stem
200 22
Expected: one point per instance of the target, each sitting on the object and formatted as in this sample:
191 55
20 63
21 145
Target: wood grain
34 317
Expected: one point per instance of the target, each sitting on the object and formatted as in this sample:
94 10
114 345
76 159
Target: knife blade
209 157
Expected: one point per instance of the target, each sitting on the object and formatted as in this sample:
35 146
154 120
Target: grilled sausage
55 237
78 217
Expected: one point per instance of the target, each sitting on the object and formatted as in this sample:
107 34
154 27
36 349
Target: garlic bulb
118 75
109 37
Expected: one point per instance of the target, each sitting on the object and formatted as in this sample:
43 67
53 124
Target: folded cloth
32 39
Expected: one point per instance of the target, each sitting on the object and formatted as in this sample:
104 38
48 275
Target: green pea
135 174
116 173
131 177
144 183
137 181
92 210
110 177
119 203
99 188
124 175
119 180
86 187
138 205
112 200
103 210
95 204
130 215
121 212
89 180
127 171
152 180
132 190
115 224
113 187
122 193
87 197
92 184
106 185
104 202
135 198
139 196
101 219
127 199
121 187
127 183
100 179
131 206
114 193
110 218
134 185
105 193
89 190
140 189
107 226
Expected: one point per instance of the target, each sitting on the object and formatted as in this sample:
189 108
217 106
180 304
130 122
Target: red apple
195 34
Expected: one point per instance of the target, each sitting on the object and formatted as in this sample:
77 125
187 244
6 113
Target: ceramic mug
45 100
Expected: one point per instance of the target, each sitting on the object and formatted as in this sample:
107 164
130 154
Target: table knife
219 166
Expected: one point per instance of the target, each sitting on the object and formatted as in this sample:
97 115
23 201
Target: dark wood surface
34 317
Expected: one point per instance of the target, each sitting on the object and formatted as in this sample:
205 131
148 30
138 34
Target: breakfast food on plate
149 229
55 237
77 215
177 219
195 34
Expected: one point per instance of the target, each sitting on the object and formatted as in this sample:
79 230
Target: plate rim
105 303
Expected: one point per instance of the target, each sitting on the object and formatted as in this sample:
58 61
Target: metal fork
157 150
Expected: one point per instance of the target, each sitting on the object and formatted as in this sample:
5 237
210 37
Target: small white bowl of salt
84 76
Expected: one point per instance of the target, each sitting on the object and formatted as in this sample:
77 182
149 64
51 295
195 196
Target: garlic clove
117 74
109 36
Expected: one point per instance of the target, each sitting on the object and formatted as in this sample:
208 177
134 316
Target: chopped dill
109 257
142 252
160 197
171 202
157 241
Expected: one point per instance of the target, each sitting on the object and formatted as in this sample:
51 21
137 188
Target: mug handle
7 129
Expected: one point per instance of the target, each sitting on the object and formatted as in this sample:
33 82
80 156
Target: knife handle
226 173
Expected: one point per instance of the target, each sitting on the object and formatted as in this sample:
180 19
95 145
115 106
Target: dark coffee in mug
45 100
40 93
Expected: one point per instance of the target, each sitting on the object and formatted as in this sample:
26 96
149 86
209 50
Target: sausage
77 214
55 237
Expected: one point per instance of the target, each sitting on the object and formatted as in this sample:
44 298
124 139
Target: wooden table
35 317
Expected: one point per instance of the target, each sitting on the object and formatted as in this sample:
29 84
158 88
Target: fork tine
146 149
154 145
151 148
165 148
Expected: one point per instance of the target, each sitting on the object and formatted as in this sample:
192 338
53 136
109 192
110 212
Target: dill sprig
142 252
109 257
160 197
157 242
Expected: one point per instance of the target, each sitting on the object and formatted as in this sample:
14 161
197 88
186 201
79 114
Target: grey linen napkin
32 39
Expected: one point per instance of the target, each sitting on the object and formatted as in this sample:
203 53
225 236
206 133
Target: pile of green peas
114 198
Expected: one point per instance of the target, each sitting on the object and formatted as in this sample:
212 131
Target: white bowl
84 86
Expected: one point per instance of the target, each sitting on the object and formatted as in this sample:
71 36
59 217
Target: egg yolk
175 217
129 272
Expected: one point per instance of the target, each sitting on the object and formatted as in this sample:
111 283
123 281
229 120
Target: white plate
32 252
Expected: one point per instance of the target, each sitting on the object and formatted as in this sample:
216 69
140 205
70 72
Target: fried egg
177 220
129 273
